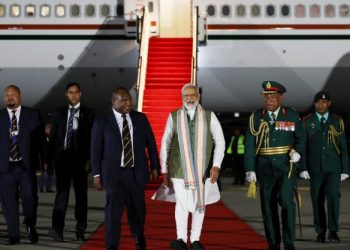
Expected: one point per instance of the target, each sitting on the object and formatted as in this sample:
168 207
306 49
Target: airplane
302 44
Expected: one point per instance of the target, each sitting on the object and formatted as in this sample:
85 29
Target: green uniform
326 159
271 163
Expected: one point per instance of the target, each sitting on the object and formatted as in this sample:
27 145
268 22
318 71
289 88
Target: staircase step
179 48
165 64
170 53
156 75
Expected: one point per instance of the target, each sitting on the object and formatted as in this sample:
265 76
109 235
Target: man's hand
214 174
343 177
166 180
250 176
305 175
98 183
45 167
154 175
88 167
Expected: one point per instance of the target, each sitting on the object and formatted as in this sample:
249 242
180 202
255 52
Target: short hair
188 86
71 84
118 90
14 87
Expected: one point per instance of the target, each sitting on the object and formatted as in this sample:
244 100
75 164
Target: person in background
327 164
121 166
70 143
189 137
273 144
22 148
46 177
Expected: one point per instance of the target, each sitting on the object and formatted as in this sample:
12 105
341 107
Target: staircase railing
142 63
195 16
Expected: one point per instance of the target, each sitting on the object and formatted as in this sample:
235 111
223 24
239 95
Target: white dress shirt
119 118
215 129
75 120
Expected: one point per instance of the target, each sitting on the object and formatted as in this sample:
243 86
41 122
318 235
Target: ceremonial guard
327 164
273 145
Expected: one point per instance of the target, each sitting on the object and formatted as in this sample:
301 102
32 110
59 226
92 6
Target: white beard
191 106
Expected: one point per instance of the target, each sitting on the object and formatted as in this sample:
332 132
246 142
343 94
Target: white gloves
343 177
294 156
305 175
250 176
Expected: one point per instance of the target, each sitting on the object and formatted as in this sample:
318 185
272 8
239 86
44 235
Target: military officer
327 163
273 144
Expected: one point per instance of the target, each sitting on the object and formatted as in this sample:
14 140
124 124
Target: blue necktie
72 112
127 145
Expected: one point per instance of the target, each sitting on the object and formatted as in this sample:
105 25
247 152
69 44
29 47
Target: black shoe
196 245
80 235
41 190
289 247
111 248
14 240
274 247
178 245
333 237
140 243
32 234
56 235
321 238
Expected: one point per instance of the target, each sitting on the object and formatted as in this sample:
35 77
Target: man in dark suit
275 139
327 165
70 142
22 141
120 166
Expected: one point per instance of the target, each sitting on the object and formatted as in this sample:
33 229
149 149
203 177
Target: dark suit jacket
106 148
322 156
31 139
59 129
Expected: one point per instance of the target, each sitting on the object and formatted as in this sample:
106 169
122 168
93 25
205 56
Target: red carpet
222 229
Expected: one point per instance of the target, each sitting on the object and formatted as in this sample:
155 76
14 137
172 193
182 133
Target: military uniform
267 147
327 158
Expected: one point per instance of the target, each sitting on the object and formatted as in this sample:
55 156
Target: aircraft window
226 10
330 10
60 10
2 10
270 10
240 10
15 10
300 10
120 9
105 10
255 10
211 10
344 10
45 10
90 10
315 10
285 10
30 10
150 7
75 10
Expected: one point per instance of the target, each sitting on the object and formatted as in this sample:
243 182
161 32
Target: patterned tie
272 118
127 145
72 112
14 148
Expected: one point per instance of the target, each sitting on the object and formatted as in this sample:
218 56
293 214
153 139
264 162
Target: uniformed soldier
273 145
327 163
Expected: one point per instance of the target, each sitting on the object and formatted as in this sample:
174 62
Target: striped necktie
72 112
127 145
14 148
272 118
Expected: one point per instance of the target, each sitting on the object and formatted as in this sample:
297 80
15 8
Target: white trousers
186 202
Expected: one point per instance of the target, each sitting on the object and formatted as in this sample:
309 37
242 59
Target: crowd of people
119 148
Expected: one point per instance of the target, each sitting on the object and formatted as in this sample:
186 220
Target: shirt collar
119 115
319 116
76 106
18 110
275 112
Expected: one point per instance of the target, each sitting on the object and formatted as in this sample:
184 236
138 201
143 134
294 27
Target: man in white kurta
187 145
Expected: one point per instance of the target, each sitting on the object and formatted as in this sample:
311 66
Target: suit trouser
186 202
16 177
276 190
70 168
126 193
325 186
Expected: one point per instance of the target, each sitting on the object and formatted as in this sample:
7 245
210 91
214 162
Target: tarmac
234 197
